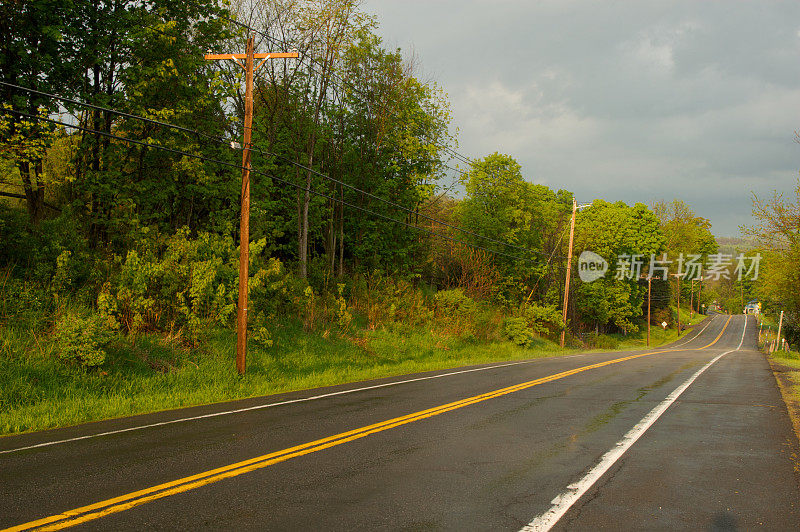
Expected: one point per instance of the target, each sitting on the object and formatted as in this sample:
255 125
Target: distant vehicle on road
753 307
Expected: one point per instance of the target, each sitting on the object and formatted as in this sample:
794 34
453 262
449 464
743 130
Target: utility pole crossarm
271 55
265 57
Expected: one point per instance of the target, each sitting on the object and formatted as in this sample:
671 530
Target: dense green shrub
407 304
531 321
543 319
186 284
82 338
343 315
603 341
273 293
517 330
390 301
32 251
454 304
455 311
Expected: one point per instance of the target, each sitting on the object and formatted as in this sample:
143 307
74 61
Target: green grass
788 358
686 316
792 360
38 391
658 337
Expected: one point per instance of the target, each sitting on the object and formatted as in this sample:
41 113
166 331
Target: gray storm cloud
633 101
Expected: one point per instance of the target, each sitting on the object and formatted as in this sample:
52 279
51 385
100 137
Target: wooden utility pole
679 307
778 338
699 291
649 286
691 301
244 224
741 294
569 270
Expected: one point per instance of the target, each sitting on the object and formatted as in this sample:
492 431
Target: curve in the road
564 501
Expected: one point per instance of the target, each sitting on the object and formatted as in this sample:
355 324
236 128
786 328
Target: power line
114 111
342 81
284 158
453 153
269 176
450 151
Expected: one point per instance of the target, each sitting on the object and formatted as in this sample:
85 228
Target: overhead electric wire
463 158
269 176
223 140
286 159
546 266
108 110
451 151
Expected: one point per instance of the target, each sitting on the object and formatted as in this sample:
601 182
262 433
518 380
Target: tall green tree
146 58
500 204
623 235
395 128
382 131
777 235
684 231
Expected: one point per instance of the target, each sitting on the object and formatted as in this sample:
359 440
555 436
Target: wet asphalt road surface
720 457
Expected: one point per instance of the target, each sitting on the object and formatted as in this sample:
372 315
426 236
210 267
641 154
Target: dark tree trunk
34 190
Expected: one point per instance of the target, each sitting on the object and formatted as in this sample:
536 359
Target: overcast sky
633 101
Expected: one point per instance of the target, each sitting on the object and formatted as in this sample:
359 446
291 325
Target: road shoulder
787 378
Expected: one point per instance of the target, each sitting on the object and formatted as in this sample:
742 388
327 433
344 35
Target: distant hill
732 245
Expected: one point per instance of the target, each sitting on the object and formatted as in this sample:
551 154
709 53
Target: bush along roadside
153 329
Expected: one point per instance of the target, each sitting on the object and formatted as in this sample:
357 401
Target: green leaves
503 206
684 231
82 338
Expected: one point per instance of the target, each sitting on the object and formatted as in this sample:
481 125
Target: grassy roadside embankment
786 368
38 391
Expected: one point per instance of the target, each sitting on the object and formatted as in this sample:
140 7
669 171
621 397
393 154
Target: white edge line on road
269 405
575 491
696 335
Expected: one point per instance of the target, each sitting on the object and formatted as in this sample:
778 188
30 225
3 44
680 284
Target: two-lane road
693 435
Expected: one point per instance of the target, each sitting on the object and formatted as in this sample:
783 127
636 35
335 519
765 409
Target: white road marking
575 491
696 335
269 405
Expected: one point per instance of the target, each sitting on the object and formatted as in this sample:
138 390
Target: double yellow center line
137 498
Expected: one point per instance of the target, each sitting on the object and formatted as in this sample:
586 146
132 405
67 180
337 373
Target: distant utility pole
679 306
679 303
778 338
691 301
244 227
699 291
569 270
741 294
649 286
